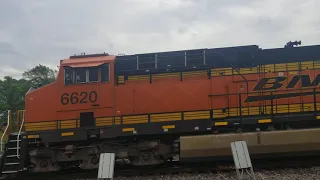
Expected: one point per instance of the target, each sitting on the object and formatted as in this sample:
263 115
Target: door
87 119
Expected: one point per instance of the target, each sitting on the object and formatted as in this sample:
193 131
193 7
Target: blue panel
294 54
195 57
239 56
171 59
126 63
146 61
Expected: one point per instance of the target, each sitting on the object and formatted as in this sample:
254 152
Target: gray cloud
6 48
35 31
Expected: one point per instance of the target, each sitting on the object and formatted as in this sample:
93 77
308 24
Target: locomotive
138 106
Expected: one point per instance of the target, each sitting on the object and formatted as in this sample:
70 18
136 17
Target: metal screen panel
240 154
106 166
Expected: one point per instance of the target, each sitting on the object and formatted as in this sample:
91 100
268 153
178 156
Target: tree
12 94
40 75
13 91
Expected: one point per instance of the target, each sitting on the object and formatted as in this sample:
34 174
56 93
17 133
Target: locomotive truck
139 106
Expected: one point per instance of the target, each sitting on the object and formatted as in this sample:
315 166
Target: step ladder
11 159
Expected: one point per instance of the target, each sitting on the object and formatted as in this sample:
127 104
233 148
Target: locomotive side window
68 78
105 73
87 74
81 75
93 74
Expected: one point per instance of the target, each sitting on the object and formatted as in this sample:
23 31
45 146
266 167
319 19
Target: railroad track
176 168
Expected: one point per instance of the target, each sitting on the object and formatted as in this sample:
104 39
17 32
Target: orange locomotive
139 105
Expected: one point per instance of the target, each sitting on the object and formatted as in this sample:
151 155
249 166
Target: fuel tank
260 144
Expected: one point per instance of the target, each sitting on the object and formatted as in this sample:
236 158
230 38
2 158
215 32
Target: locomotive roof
308 52
85 61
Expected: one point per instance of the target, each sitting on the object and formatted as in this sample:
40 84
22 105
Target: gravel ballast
278 174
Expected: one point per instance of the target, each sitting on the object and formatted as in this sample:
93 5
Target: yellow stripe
196 115
103 123
221 123
306 65
135 122
68 124
138 77
117 120
33 136
165 75
221 71
281 67
120 79
294 66
139 117
67 134
127 129
194 73
104 119
41 126
39 129
166 120
135 119
264 121
169 127
165 117
318 117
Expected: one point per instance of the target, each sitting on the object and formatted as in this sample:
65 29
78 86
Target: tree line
12 91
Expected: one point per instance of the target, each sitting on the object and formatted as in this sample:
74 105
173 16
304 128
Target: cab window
81 75
93 74
68 78
86 74
105 73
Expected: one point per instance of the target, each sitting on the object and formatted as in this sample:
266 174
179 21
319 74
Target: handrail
5 131
20 133
307 89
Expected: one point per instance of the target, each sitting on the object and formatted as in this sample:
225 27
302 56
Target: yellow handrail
23 115
5 131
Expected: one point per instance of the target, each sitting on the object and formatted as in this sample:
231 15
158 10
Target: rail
18 137
5 131
308 96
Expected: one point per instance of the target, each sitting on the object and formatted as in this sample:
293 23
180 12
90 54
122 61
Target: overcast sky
43 32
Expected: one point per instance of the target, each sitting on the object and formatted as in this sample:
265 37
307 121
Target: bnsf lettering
269 83
79 98
305 81
278 82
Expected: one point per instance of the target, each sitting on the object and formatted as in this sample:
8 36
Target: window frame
108 65
87 74
75 73
72 75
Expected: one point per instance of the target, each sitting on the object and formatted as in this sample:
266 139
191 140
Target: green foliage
40 76
12 91
12 95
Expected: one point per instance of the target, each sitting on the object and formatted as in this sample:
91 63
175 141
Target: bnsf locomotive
138 106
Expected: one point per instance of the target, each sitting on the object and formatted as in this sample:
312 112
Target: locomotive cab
83 90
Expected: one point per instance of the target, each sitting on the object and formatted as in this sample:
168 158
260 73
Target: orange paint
141 97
